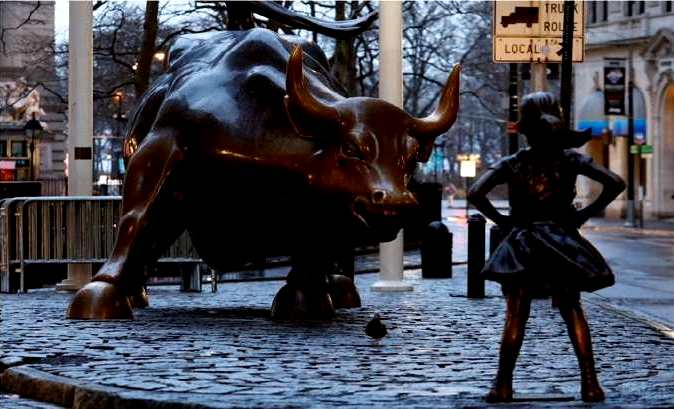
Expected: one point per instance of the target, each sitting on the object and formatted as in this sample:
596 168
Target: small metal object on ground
375 328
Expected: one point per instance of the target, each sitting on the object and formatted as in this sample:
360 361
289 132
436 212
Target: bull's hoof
294 304
140 300
99 300
343 292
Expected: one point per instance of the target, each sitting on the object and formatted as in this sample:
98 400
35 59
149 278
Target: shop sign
614 86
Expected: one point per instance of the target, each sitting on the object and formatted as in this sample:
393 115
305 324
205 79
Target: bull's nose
379 197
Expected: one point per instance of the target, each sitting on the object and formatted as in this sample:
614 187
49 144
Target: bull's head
366 147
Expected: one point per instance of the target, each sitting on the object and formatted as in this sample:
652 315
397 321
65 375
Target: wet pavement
222 350
644 269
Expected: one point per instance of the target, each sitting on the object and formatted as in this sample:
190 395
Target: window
597 11
669 6
3 149
603 10
19 149
635 8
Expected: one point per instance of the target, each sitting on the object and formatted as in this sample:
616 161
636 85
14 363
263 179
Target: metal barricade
64 230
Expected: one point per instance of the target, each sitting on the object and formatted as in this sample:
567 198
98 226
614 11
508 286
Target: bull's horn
300 96
443 117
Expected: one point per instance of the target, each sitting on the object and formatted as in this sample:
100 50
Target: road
643 262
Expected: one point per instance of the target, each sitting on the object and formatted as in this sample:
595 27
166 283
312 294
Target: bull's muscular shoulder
234 79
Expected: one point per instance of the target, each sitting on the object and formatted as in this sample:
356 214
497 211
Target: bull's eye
350 150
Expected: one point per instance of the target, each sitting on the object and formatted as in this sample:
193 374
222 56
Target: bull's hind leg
148 225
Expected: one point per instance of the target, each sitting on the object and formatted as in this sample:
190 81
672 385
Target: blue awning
592 116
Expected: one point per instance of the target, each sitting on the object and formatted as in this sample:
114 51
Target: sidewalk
641 258
221 350
660 228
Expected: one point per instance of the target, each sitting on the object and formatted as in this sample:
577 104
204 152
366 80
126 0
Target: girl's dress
544 250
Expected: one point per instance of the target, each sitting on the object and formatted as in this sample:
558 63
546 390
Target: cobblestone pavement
17 402
222 350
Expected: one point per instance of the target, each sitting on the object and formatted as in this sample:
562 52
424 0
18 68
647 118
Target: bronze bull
247 143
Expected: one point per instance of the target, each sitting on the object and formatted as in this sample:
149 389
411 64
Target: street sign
531 31
642 149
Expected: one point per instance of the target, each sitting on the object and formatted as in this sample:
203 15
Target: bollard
496 236
476 247
190 281
436 251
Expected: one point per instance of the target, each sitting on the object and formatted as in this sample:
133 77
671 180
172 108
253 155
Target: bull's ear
306 113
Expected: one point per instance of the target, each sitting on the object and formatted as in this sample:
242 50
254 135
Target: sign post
567 68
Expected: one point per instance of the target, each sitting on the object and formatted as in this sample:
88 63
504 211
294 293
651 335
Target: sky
61 20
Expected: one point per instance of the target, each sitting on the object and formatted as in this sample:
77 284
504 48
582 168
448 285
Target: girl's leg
517 313
579 332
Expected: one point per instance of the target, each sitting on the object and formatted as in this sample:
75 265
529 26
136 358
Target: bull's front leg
148 226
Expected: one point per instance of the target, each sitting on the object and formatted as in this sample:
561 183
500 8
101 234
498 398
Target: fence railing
53 187
64 230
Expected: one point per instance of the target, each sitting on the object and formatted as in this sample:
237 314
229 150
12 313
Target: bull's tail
144 115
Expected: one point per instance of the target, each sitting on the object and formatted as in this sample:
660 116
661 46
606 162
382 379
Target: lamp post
33 129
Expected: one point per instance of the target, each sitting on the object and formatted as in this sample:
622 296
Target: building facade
27 73
639 34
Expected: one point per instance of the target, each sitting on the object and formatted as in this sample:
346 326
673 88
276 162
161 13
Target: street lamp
467 170
33 129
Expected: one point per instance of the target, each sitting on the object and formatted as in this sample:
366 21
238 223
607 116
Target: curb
629 230
41 386
639 316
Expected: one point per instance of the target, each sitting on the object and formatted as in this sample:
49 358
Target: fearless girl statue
543 253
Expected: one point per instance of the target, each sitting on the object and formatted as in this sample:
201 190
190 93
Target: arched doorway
666 167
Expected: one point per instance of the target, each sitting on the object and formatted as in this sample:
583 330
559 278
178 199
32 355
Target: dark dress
544 250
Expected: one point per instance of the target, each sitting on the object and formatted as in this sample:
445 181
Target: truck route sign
531 31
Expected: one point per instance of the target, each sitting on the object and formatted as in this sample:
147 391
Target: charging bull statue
247 143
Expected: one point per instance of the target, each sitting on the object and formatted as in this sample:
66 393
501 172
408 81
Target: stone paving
222 350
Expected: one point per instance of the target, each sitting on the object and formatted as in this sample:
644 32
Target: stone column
391 90
80 120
